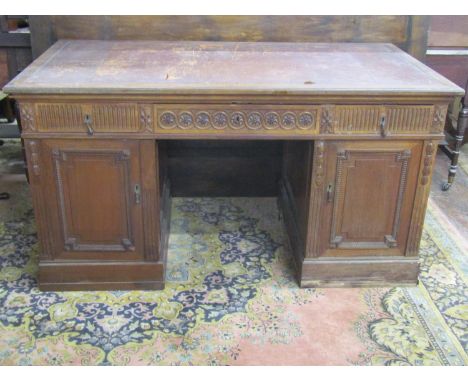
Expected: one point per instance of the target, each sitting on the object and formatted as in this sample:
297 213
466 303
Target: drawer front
274 120
233 120
81 118
384 120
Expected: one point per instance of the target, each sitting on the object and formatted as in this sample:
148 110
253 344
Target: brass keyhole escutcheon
137 191
329 192
88 121
383 127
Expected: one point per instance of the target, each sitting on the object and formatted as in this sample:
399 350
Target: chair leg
462 124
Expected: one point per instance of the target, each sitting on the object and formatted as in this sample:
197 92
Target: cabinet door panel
96 195
369 190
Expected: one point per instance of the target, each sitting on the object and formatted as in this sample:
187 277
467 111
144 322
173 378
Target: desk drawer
81 117
238 120
337 120
384 120
232 119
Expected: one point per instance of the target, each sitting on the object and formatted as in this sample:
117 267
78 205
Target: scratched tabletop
157 67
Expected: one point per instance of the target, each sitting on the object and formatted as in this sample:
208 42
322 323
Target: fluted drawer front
60 117
77 117
232 120
236 119
382 119
115 117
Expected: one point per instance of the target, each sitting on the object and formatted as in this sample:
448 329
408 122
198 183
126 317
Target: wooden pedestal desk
344 135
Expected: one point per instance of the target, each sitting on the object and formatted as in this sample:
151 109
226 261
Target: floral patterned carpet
231 299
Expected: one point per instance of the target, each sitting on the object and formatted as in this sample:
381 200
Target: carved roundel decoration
237 120
167 119
271 120
220 120
185 119
202 120
288 120
254 120
306 120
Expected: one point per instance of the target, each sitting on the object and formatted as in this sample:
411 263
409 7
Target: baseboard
100 276
362 272
98 286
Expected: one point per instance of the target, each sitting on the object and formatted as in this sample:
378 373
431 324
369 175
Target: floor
455 201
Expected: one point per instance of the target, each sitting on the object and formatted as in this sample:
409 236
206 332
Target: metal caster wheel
446 186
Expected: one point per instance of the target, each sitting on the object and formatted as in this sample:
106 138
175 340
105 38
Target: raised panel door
95 198
369 191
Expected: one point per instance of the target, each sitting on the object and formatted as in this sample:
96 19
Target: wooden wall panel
448 31
406 32
455 68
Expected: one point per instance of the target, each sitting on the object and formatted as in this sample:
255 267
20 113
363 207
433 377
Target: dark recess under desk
224 168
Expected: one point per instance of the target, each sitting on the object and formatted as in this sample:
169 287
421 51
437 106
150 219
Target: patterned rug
231 299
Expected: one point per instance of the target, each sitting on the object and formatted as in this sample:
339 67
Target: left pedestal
99 207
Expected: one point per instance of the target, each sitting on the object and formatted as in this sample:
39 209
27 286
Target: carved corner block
27 117
326 120
146 118
438 119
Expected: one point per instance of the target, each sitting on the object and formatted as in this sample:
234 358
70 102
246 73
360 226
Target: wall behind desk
407 32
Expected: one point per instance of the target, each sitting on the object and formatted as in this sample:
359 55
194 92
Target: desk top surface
152 67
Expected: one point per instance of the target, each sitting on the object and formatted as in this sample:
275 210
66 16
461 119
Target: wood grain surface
407 32
142 67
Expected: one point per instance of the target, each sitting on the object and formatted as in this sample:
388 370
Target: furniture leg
461 127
